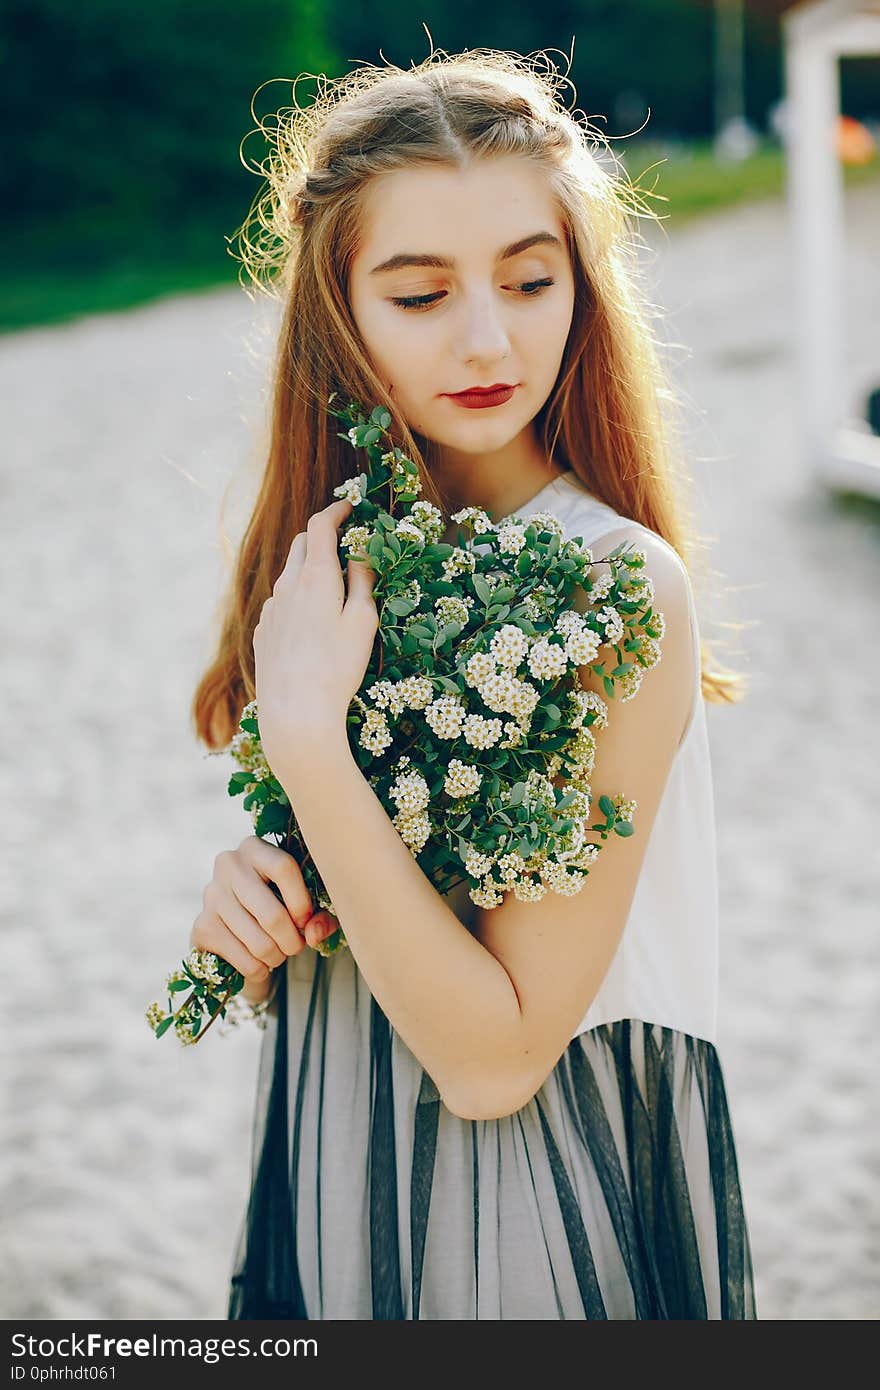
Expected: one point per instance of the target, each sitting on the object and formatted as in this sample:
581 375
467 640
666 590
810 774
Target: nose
482 336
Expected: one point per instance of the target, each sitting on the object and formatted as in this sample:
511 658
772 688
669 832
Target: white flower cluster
547 660
407 528
612 623
546 521
582 749
248 753
402 480
513 735
588 701
154 1015
640 590
509 646
511 538
446 716
414 830
453 608
375 733
351 488
477 864
649 652
462 779
476 516
410 793
480 732
203 966
356 538
428 519
601 587
628 684
623 807
461 561
560 879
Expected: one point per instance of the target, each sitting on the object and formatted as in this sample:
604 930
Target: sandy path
121 433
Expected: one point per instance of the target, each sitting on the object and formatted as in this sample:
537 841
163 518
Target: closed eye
530 289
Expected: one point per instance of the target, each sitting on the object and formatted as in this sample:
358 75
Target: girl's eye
529 289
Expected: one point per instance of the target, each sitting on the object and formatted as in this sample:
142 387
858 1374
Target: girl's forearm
450 1000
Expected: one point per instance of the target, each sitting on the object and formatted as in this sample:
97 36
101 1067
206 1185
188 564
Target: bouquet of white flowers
471 707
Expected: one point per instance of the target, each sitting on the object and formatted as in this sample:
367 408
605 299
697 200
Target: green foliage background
123 174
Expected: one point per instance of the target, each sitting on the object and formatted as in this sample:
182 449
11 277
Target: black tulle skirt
613 1194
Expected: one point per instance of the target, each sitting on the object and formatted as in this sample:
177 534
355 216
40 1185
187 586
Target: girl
506 1113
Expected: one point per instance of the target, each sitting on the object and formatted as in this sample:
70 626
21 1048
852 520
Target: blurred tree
126 123
658 49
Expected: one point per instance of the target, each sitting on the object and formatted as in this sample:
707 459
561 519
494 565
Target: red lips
482 390
482 397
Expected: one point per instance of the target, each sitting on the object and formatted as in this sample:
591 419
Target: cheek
547 338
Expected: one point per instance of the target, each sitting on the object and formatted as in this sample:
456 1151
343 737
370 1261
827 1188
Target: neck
500 481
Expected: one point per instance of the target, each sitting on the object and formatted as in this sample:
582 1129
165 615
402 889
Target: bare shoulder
672 680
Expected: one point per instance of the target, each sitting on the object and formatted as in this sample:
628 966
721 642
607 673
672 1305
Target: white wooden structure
842 452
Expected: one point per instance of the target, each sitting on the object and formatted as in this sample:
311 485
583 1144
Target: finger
296 557
268 911
360 577
322 925
323 532
210 933
263 947
275 865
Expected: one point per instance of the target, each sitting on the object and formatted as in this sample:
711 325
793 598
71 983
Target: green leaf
606 805
371 435
177 985
624 828
517 793
523 563
164 1026
481 588
274 819
400 607
567 800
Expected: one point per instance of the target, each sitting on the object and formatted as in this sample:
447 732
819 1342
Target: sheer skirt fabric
613 1194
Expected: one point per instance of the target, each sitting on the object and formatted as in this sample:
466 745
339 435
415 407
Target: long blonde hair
610 415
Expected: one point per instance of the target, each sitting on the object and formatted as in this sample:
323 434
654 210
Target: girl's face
466 300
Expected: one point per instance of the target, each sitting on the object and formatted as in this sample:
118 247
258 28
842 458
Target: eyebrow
406 258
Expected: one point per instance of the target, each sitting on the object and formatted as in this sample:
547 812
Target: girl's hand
313 642
244 922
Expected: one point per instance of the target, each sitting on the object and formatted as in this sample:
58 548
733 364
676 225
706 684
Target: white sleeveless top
665 969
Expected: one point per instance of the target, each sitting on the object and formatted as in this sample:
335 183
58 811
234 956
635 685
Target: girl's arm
450 1000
